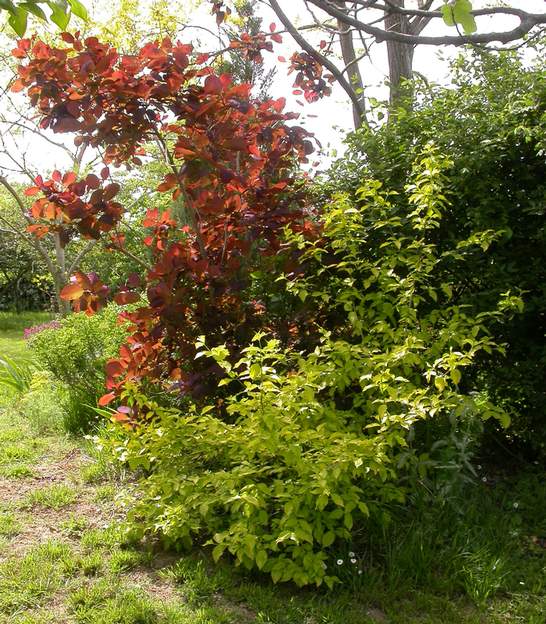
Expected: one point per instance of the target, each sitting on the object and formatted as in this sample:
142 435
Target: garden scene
272 312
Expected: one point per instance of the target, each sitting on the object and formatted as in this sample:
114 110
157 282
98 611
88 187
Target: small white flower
360 571
484 479
339 562
352 555
479 466
353 561
521 583
516 505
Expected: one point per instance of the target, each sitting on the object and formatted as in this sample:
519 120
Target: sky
331 118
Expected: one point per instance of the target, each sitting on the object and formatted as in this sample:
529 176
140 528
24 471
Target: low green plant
313 447
55 496
123 560
75 354
91 564
16 472
101 604
42 403
481 574
15 375
9 525
74 525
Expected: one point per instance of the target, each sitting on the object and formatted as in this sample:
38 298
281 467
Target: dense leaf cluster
491 123
315 443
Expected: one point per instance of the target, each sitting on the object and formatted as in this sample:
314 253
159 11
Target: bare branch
527 22
74 265
325 62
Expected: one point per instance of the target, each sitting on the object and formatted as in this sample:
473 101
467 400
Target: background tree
352 28
495 141
23 144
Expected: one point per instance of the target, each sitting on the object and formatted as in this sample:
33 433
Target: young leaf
7 5
31 7
59 13
78 9
18 21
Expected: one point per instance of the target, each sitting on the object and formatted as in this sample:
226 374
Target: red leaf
69 178
105 173
114 368
67 37
107 398
121 417
32 190
17 86
134 280
110 191
92 181
322 44
213 84
72 291
126 296
272 27
276 38
169 182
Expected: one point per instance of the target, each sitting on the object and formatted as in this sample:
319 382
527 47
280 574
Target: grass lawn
64 557
11 331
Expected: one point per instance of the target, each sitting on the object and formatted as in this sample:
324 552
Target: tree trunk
351 66
60 277
400 55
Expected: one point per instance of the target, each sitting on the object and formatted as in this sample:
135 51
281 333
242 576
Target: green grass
55 496
9 524
12 326
32 579
473 562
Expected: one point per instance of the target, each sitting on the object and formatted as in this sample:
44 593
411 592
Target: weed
21 471
15 375
9 524
124 560
74 525
481 574
105 492
15 453
197 583
108 537
91 564
93 473
55 496
100 603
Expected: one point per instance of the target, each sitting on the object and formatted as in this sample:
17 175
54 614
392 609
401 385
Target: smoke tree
232 178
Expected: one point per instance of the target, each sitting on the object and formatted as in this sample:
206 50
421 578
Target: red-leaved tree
232 171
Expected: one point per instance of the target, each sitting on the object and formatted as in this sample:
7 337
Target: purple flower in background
29 332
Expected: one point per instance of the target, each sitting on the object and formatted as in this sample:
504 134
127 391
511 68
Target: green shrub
315 445
491 123
76 354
